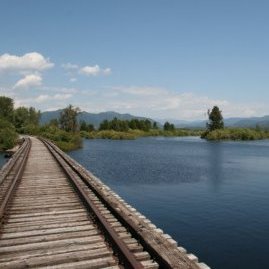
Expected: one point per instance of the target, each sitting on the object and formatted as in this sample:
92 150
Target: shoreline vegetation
67 133
136 133
236 134
215 130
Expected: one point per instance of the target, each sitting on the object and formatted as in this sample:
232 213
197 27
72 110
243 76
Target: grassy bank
133 134
236 134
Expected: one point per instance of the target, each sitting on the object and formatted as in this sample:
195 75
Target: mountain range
97 118
93 118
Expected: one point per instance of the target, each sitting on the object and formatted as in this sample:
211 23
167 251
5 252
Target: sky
164 59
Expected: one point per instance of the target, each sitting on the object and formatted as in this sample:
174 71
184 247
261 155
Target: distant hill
93 118
229 122
97 118
253 122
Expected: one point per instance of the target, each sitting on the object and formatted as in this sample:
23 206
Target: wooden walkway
47 224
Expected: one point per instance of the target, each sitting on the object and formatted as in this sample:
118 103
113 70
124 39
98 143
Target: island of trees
67 132
215 129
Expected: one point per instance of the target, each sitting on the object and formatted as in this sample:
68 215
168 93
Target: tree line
23 120
13 121
66 131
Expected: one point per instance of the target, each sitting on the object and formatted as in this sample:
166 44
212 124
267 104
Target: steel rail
25 152
124 254
6 169
125 220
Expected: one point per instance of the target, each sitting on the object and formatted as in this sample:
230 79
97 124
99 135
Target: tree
21 117
155 125
215 119
90 127
54 123
168 126
34 116
24 116
8 135
104 125
86 127
83 126
68 119
6 108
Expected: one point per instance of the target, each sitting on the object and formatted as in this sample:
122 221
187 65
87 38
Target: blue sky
162 59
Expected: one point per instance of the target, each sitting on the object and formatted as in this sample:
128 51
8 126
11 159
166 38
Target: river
212 197
2 159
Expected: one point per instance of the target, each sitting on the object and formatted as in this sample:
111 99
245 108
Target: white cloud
33 80
73 79
95 70
50 89
90 70
163 103
43 98
70 66
32 61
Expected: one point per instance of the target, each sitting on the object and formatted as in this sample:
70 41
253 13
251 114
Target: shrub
8 135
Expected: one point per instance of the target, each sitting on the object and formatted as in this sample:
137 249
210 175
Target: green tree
168 126
83 126
104 125
21 117
90 127
54 123
155 125
68 119
34 116
86 127
8 135
6 108
215 119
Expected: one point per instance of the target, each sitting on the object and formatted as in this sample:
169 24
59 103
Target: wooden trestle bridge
56 214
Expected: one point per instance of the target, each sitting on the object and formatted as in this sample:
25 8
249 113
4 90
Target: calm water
2 159
212 197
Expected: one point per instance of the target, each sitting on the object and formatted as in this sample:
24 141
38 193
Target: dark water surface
2 159
212 197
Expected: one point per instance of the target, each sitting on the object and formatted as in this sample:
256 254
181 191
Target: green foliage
115 124
6 108
34 116
54 122
86 127
8 135
133 134
125 125
155 125
68 119
215 119
144 125
168 126
236 134
111 134
25 116
64 140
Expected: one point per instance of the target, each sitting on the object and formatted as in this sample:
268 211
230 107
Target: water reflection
215 162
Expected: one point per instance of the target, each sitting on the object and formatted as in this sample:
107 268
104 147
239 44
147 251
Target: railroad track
56 214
